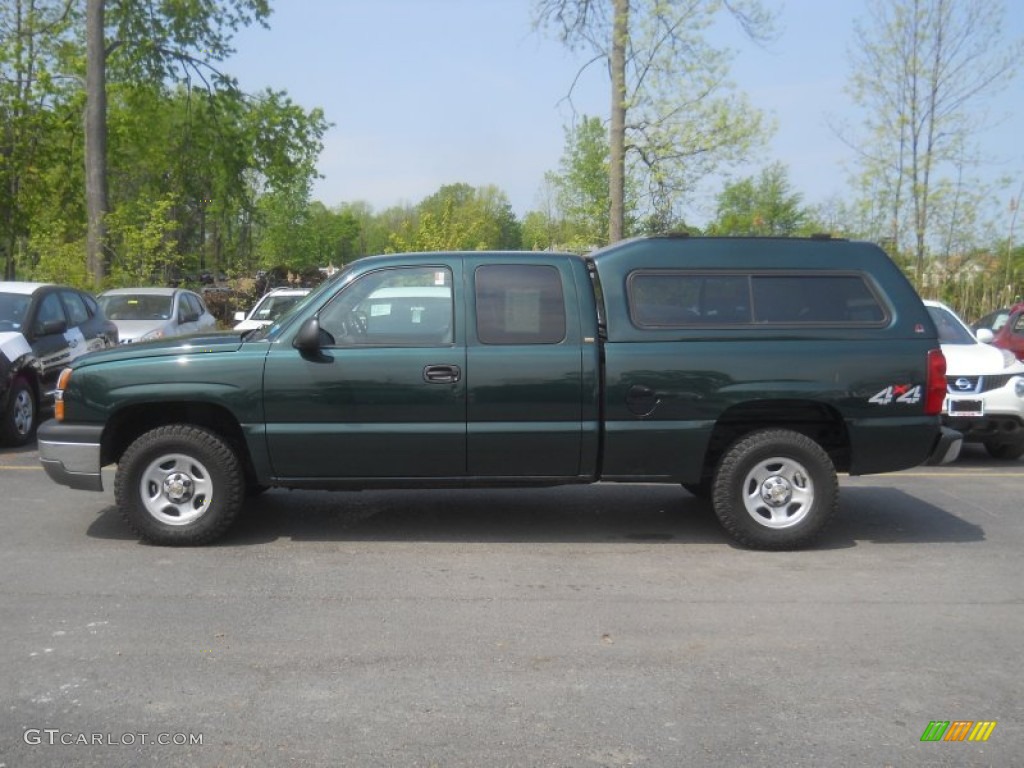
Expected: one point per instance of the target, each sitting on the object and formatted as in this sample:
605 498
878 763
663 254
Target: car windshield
273 307
951 330
13 308
270 332
136 306
995 321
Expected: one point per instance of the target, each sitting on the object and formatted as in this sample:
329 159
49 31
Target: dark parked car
43 328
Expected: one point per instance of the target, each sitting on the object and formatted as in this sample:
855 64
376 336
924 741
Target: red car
1010 335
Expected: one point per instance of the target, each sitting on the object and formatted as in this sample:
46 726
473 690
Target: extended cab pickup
748 370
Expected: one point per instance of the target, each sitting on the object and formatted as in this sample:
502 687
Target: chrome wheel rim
778 493
176 489
24 412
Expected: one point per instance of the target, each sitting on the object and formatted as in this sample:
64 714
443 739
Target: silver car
145 314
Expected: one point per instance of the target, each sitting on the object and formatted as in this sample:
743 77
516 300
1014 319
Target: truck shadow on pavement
649 514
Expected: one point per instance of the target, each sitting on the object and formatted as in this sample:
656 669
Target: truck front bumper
947 447
70 454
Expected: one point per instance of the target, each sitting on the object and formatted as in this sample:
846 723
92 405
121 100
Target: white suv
985 385
269 308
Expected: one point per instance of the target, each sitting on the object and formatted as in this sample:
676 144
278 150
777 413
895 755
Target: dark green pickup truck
749 371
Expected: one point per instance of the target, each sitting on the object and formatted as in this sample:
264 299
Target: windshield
996 321
270 332
273 307
13 308
136 306
951 330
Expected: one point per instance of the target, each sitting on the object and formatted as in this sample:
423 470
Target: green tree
151 43
674 118
35 36
215 153
285 237
544 229
460 217
921 70
374 230
582 184
335 235
765 205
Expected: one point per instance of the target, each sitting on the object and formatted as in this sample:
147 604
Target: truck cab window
519 304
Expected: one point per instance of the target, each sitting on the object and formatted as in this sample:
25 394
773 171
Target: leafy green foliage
674 117
187 165
462 218
36 51
766 205
922 70
144 232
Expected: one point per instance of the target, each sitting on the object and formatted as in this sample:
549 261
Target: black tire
21 416
1005 451
775 489
179 485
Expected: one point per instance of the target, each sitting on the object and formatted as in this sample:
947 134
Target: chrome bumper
71 456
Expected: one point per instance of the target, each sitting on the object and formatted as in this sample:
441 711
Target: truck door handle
442 374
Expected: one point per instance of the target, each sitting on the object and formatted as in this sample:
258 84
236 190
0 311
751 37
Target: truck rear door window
519 304
673 299
820 299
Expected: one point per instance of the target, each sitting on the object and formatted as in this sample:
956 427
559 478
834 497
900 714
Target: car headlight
1018 386
157 334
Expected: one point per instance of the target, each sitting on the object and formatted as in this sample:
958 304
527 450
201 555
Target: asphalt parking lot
590 626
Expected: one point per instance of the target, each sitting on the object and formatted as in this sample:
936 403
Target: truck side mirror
309 338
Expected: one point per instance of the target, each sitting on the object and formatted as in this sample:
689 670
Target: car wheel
19 419
775 489
1005 451
179 485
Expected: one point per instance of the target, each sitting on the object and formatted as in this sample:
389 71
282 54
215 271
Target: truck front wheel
179 485
775 489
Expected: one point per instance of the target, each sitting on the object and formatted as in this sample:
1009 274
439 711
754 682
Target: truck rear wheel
775 489
179 485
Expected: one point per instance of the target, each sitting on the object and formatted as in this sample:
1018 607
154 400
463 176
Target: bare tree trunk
617 138
95 141
9 151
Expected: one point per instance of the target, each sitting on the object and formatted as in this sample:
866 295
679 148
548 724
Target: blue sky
423 93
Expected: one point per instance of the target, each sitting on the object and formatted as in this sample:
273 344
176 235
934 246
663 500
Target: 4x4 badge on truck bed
900 393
